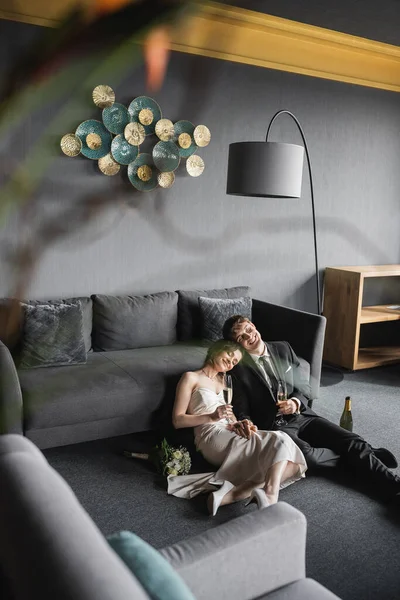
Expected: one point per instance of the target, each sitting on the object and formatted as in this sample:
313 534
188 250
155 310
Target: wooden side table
345 313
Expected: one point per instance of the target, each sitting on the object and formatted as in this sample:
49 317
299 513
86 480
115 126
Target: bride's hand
243 428
222 412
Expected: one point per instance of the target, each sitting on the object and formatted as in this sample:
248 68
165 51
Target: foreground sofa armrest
245 558
11 409
49 547
304 331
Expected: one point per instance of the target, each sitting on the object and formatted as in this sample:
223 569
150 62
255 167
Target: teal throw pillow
154 573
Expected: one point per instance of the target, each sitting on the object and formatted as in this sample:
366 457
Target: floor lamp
272 170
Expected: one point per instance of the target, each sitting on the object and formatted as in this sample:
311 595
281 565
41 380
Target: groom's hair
229 326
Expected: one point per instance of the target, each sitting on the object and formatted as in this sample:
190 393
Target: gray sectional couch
137 348
51 549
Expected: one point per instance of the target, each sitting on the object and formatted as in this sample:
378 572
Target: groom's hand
287 407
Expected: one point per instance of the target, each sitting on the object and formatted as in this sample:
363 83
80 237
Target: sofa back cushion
190 320
122 322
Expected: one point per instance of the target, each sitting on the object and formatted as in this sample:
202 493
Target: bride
251 464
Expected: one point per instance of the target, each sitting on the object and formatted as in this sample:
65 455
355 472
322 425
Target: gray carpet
353 539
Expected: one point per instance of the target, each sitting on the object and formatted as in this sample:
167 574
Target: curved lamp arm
287 112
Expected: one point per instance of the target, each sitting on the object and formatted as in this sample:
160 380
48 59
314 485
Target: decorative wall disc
93 140
184 141
202 136
134 134
185 127
146 116
146 111
93 126
70 144
166 180
103 96
165 130
145 173
195 165
108 166
166 156
139 176
116 118
123 152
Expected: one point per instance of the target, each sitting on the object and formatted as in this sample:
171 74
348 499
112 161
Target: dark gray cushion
52 335
123 322
215 312
189 315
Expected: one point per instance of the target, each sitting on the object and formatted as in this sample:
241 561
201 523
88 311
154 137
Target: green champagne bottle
346 420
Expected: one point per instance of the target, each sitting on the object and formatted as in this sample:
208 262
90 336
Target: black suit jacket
252 397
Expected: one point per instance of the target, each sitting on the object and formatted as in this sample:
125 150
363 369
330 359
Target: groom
323 443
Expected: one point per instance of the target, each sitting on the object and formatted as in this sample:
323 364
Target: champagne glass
228 391
281 395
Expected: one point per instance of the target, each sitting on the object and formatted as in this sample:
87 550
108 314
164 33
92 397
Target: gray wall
194 235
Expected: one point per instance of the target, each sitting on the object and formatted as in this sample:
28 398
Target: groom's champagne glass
281 395
228 391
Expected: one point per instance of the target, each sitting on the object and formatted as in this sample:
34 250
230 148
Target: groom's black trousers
325 444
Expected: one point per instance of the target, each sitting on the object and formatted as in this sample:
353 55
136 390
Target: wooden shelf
372 270
345 314
379 314
375 357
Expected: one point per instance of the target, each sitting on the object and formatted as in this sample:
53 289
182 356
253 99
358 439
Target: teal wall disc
123 152
116 118
93 126
166 156
143 174
186 146
146 111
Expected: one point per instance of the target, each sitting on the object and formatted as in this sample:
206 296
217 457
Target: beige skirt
238 460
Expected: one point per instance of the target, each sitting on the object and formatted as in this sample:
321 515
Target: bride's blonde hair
221 346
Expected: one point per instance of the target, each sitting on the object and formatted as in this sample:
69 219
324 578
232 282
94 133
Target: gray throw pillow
122 322
87 309
52 336
189 315
215 312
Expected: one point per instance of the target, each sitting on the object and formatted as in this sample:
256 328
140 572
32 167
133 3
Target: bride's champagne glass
281 395
228 391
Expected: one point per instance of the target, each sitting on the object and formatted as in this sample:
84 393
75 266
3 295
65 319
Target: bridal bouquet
167 459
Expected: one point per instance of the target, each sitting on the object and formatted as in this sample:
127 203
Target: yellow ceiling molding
244 36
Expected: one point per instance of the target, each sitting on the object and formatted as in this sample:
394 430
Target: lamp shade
265 169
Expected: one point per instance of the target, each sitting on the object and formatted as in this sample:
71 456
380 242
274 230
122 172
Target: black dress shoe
385 456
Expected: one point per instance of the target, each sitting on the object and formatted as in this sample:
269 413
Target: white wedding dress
238 460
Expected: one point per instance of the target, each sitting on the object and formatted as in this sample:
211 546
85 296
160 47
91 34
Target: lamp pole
303 137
